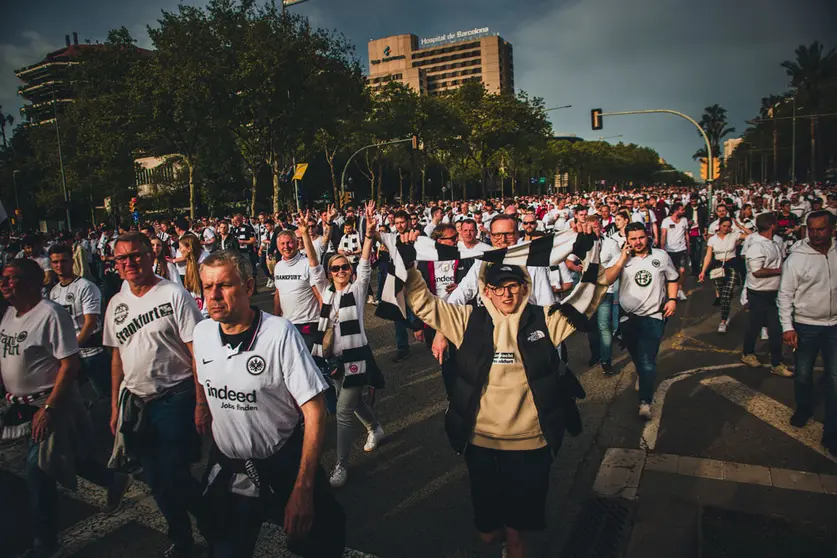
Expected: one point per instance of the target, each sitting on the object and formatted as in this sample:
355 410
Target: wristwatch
49 407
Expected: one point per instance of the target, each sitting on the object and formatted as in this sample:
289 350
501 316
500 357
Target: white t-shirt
151 333
714 225
294 280
253 392
675 234
762 254
643 283
723 249
78 298
208 235
478 246
444 272
31 346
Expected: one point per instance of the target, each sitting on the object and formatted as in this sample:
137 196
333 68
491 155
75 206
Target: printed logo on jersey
232 399
656 263
140 321
643 278
120 313
11 343
256 365
503 358
70 297
289 277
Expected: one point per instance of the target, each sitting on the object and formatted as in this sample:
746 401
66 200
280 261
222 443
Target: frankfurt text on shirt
142 320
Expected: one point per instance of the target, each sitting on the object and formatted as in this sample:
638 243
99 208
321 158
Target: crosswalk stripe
768 410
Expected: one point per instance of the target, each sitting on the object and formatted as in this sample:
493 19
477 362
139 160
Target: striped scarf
541 252
351 333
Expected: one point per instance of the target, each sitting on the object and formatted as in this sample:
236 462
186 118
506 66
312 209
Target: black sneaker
607 368
116 492
800 419
400 355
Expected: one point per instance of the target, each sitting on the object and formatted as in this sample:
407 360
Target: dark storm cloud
614 54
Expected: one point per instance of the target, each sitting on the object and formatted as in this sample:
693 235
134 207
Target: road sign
300 171
542 180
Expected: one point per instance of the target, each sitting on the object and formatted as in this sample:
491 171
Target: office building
730 145
431 66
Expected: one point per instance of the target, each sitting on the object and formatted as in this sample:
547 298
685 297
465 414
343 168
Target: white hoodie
808 291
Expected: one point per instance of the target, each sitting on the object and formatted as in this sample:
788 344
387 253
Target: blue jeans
166 446
96 368
642 335
43 493
382 275
814 339
402 332
601 338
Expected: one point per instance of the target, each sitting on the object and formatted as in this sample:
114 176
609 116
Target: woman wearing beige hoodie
509 405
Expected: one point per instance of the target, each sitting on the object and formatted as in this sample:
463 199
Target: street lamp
602 138
557 108
61 159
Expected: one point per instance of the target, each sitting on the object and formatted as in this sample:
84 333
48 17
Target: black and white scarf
542 252
351 332
351 243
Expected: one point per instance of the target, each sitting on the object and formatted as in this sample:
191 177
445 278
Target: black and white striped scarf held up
353 338
542 252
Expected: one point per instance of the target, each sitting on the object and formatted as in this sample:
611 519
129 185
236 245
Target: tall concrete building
434 65
730 145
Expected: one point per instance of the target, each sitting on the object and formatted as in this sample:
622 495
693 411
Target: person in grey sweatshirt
808 314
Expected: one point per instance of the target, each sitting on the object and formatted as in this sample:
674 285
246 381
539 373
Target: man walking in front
648 296
808 314
156 406
268 423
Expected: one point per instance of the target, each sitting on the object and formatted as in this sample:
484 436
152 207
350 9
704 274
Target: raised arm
310 251
369 236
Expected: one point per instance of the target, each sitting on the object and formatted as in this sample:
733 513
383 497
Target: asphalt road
410 497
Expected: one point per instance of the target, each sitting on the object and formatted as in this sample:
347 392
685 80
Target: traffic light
418 145
596 118
716 168
704 171
133 205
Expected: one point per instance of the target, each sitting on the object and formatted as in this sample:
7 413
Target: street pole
17 201
61 160
793 144
696 125
364 148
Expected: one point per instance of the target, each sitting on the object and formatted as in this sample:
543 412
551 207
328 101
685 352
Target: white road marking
436 484
770 411
652 427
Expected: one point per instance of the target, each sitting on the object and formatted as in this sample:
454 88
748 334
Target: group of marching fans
190 355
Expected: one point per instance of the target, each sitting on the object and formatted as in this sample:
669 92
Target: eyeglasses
454 237
336 268
526 223
513 288
506 234
133 256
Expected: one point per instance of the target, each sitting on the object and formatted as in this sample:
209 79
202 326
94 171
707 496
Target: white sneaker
645 410
373 439
751 361
338 477
269 284
764 336
681 295
722 327
370 299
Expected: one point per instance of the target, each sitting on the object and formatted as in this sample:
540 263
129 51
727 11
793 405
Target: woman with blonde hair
162 266
192 251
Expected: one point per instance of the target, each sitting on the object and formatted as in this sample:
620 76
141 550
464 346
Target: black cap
498 273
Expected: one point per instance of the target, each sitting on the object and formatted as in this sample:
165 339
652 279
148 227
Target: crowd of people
159 321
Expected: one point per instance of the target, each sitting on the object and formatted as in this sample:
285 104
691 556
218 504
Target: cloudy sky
614 54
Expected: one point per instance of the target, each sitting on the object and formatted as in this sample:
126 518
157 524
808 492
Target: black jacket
554 387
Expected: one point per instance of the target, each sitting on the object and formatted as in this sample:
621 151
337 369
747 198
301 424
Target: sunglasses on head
336 268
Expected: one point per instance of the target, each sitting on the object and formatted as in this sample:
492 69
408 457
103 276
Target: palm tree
714 123
5 119
809 74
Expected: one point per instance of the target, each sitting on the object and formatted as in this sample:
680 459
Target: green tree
714 123
810 73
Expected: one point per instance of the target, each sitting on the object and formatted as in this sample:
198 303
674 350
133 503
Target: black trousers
232 522
764 313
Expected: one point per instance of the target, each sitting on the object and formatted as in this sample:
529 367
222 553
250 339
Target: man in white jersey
675 241
295 297
156 407
83 301
648 296
268 423
38 368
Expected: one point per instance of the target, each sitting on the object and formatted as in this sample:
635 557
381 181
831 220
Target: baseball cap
497 273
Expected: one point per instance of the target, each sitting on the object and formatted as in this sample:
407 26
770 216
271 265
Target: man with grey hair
295 296
265 394
157 406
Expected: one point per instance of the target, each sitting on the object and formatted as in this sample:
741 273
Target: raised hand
302 221
331 213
